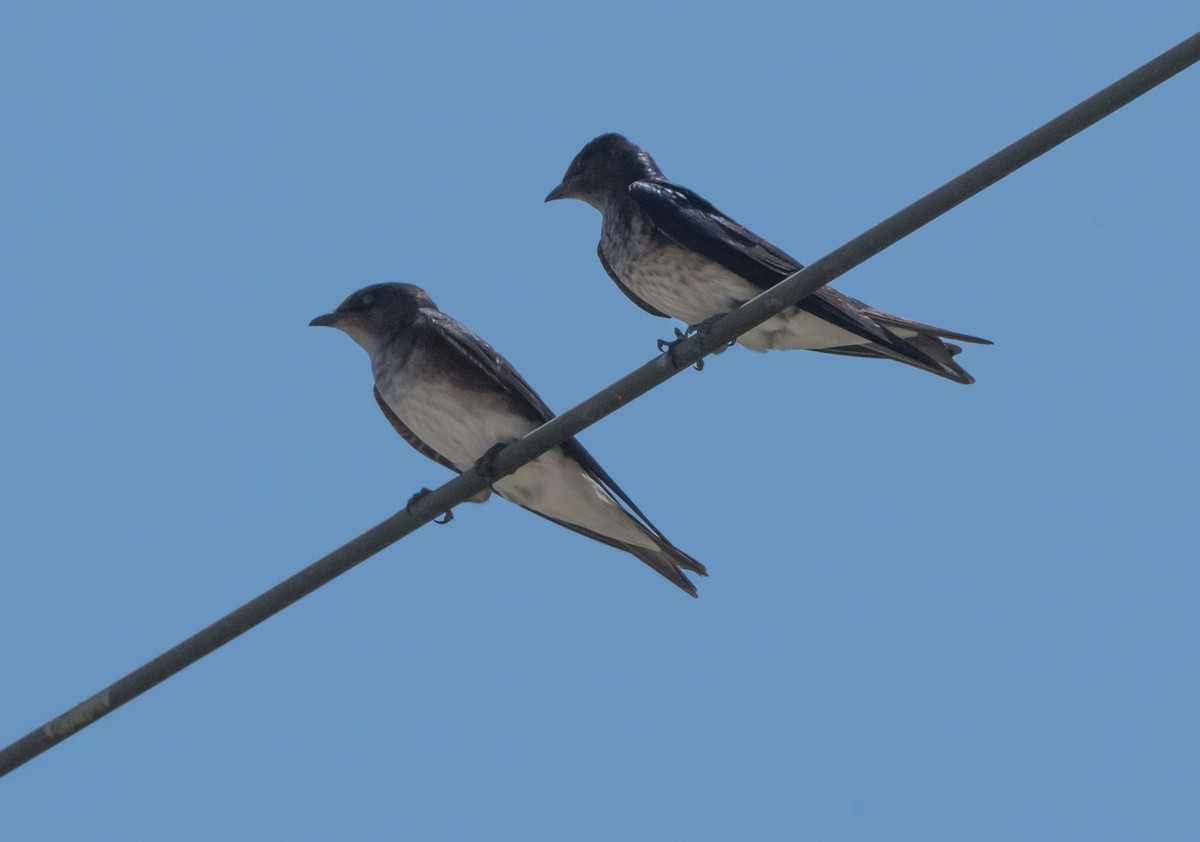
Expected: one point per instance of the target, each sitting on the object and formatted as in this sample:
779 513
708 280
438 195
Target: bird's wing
693 223
908 324
689 219
471 347
653 311
668 560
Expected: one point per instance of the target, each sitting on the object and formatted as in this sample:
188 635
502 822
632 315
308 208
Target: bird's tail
932 354
664 558
938 358
669 561
915 343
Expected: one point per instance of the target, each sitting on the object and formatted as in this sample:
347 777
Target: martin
675 255
453 398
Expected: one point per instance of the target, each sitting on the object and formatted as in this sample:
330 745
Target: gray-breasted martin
675 255
452 397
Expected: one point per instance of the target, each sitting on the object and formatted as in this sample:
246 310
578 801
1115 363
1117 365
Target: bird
451 396
676 256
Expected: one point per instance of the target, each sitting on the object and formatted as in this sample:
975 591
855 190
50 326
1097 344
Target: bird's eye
368 299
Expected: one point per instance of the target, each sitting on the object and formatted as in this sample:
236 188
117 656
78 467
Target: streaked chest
675 280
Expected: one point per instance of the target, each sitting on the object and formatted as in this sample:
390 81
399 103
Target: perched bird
677 256
453 398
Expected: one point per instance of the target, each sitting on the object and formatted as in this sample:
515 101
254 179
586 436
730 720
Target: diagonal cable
633 385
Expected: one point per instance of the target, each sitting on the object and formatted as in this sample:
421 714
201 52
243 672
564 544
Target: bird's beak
328 320
559 192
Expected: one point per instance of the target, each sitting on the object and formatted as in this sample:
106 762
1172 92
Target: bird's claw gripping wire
444 519
668 346
700 329
485 465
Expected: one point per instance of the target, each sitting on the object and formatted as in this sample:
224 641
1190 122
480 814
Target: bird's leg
485 465
700 329
446 518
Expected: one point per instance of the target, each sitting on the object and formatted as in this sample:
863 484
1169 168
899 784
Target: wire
555 432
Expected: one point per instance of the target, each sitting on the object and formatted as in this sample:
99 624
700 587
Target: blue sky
935 612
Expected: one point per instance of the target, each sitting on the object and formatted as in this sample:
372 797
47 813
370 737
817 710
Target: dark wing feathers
691 221
469 347
908 324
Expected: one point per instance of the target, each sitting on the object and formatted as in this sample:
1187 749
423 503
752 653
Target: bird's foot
444 519
668 346
485 465
701 329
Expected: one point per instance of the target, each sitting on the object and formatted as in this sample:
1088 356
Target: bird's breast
459 422
688 286
670 278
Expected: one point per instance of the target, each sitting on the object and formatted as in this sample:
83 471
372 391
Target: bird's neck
389 352
618 204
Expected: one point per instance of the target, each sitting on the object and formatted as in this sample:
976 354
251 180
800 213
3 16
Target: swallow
676 256
452 397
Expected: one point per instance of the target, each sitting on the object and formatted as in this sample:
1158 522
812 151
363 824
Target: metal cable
637 383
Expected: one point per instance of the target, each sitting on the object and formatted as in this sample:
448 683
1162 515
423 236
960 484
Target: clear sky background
935 612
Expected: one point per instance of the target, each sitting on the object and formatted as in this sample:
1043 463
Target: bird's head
377 312
603 169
